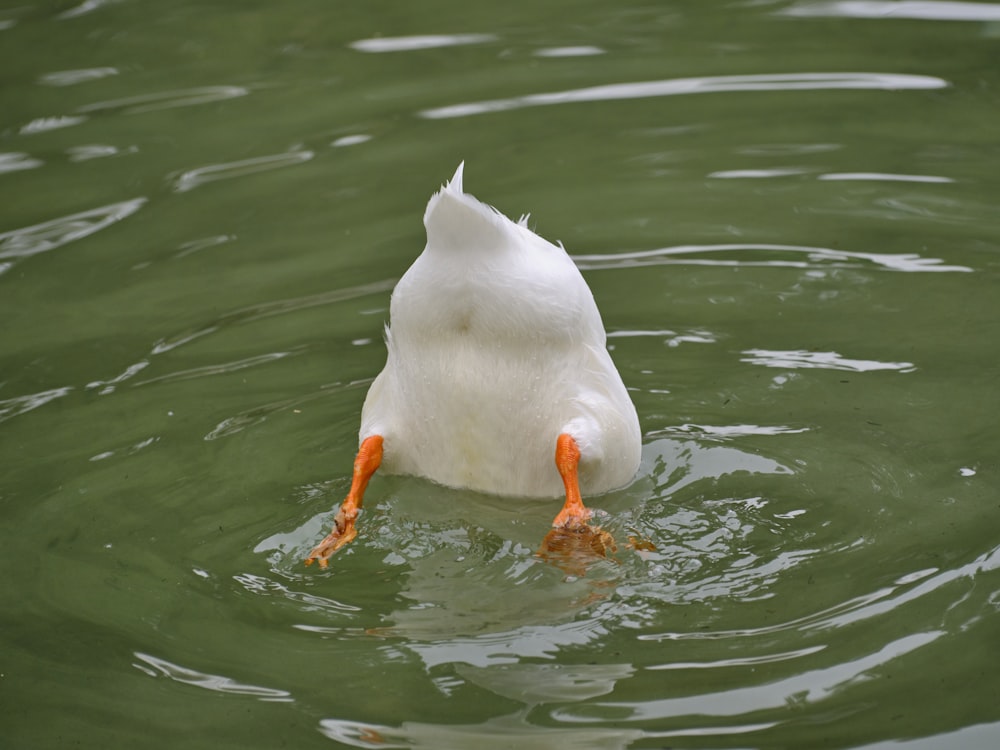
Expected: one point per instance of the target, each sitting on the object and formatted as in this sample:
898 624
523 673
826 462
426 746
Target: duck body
497 378
496 347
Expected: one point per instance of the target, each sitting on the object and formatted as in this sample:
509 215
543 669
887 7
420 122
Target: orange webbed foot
575 547
343 532
573 544
368 460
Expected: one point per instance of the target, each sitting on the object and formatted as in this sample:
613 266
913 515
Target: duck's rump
488 420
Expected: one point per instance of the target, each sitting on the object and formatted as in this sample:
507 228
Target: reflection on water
502 732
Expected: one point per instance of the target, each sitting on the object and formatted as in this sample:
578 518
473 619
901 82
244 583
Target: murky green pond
788 213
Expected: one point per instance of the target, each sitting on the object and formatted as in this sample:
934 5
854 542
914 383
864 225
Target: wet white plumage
495 347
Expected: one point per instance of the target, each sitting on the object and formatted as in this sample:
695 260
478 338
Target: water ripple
87 6
884 177
40 238
580 51
15 161
12 407
220 369
756 174
672 339
925 10
547 683
228 170
237 317
45 124
269 309
260 585
154 666
168 99
726 431
816 257
905 589
89 151
258 414
409 43
802 359
807 687
73 77
738 661
108 386
512 730
351 140
703 85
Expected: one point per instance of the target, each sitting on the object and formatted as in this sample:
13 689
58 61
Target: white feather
495 348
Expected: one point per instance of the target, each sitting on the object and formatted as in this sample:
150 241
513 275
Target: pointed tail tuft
455 183
456 221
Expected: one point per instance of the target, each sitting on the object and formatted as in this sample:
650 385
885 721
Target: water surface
787 214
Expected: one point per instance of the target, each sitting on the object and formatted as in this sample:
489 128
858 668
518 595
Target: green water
788 215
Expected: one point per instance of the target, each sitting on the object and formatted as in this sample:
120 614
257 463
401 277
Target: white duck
496 362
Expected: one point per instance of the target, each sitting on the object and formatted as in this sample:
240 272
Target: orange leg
573 543
573 513
368 460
